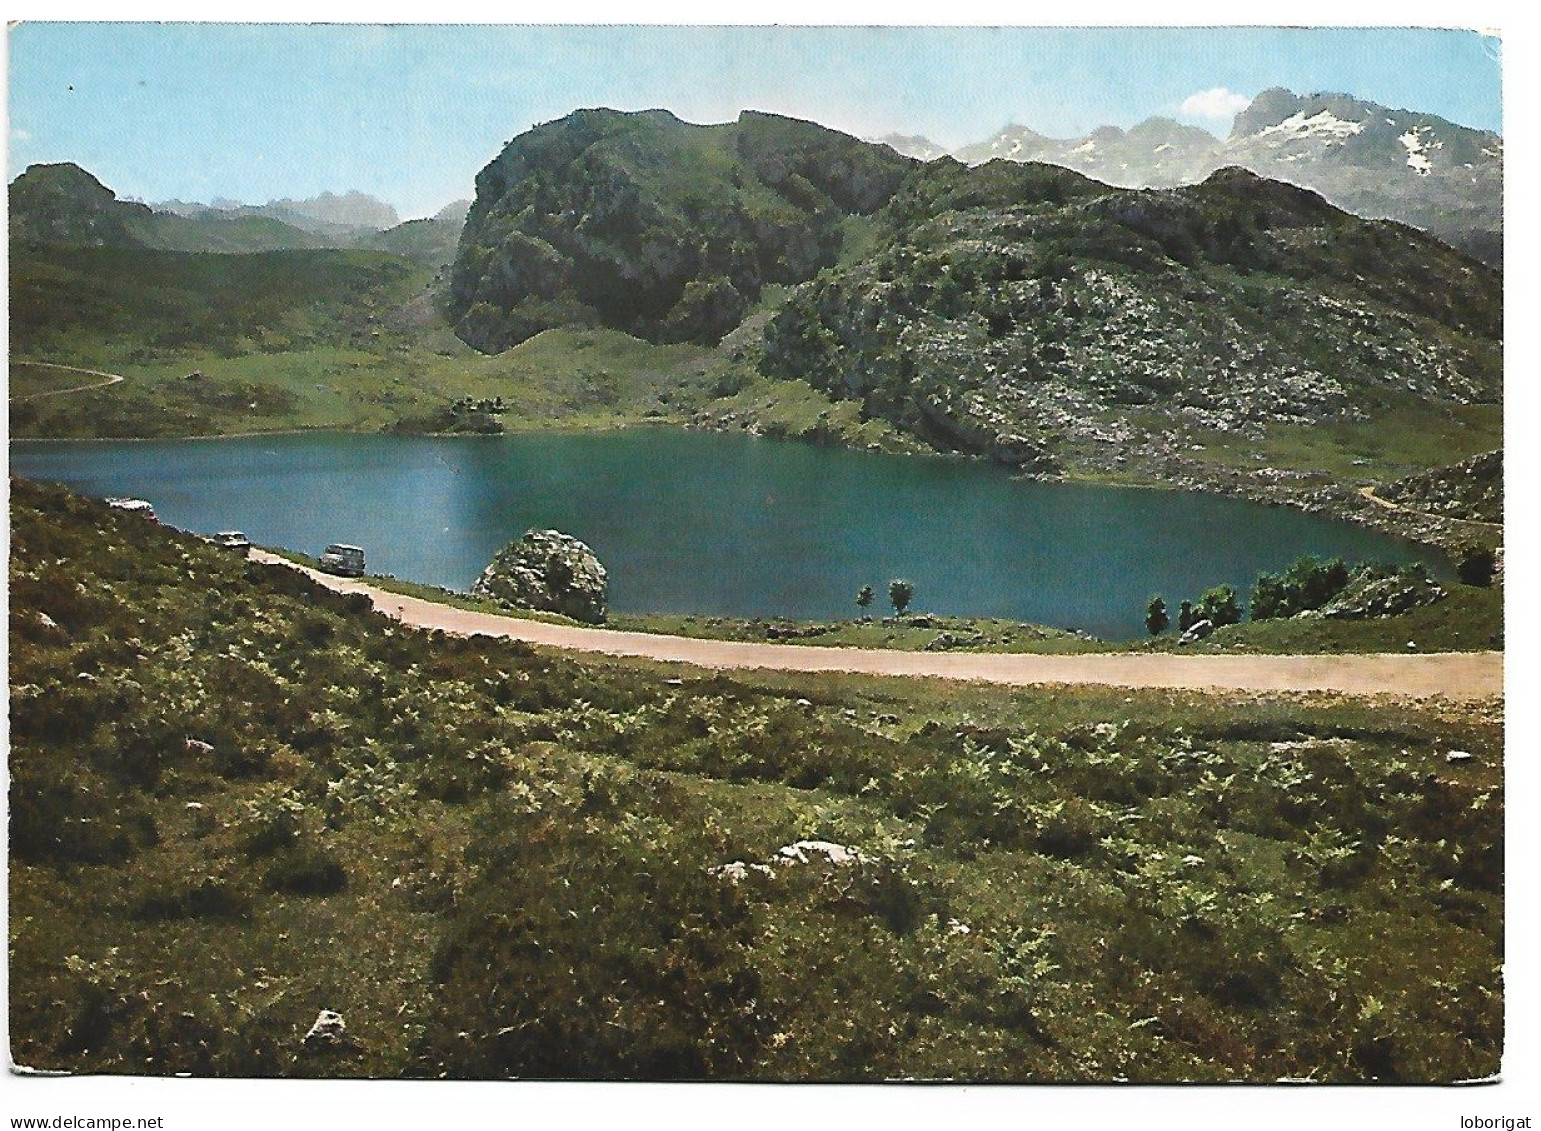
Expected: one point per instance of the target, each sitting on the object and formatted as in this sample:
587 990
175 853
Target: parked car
233 540
347 561
134 506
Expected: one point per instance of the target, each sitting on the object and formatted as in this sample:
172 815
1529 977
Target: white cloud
1216 104
20 136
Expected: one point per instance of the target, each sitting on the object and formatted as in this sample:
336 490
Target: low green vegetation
238 799
923 632
1469 619
1321 605
1307 585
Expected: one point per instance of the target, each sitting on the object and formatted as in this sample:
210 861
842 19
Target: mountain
1019 310
455 212
647 224
1157 153
337 218
431 242
912 145
1029 313
1377 162
350 209
64 206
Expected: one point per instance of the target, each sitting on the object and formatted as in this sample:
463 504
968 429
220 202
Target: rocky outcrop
548 571
1373 160
1197 631
1035 320
329 1031
1381 591
651 225
1472 490
65 206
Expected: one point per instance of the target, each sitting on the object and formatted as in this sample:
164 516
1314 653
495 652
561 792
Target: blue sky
409 114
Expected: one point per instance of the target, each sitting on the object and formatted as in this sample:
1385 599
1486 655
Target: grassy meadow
238 799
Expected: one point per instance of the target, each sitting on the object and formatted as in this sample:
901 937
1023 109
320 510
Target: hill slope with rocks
1015 310
1018 310
1472 490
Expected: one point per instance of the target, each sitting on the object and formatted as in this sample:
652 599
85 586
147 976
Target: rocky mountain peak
64 205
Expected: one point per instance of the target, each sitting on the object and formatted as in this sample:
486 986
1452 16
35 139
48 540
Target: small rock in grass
328 1031
802 852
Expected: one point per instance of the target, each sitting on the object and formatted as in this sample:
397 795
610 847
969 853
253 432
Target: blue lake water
721 524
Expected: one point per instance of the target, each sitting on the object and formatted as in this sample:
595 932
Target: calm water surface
720 524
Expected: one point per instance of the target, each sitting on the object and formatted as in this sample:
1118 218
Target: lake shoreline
717 507
1339 500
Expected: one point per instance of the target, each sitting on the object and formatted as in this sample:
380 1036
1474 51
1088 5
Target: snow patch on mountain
1323 124
1416 150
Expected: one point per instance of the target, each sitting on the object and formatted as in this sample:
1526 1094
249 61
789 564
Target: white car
347 561
233 540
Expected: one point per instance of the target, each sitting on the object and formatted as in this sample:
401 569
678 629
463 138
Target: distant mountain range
62 205
1374 161
331 215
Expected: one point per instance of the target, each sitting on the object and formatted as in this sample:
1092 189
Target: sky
410 114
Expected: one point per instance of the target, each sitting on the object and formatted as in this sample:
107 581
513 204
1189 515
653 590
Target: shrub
900 594
1475 564
306 870
274 817
1156 619
1308 583
570 959
63 813
1186 617
1219 606
205 898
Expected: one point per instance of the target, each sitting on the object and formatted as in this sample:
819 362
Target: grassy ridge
495 862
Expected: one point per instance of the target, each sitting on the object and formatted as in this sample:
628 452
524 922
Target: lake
721 524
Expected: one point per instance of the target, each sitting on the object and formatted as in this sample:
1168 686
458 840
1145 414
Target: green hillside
164 300
238 799
219 344
428 243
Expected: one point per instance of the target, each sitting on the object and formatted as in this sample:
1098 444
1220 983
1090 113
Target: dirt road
1369 493
111 379
1455 675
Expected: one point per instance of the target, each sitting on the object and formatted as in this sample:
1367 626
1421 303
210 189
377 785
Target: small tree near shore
900 593
1186 617
1156 619
1219 606
864 596
1475 564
